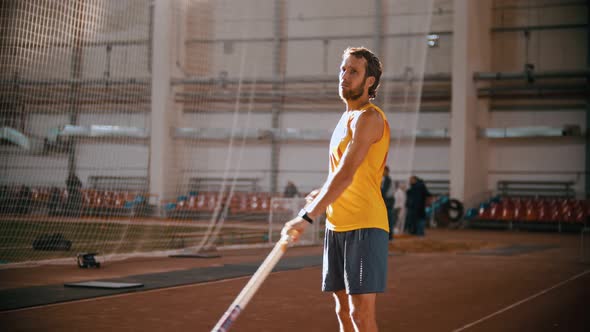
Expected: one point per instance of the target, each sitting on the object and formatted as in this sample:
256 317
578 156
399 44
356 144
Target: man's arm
366 130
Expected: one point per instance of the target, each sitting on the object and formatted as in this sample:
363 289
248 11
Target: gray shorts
356 261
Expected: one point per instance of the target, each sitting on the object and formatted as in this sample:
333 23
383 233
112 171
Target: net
136 127
281 209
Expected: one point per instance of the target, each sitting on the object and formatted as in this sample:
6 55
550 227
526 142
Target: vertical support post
378 34
161 143
471 53
378 40
587 168
76 74
277 104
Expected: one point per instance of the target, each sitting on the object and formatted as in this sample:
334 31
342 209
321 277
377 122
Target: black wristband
303 214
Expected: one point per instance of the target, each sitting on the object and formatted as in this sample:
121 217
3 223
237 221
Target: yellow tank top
361 204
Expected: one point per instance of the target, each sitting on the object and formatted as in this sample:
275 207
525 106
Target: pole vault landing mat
16 298
104 284
512 250
196 255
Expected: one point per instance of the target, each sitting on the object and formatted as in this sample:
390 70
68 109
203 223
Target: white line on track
546 290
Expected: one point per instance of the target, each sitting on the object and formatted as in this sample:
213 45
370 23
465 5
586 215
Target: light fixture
432 40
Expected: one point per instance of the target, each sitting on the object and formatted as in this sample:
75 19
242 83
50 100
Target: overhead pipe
535 90
540 27
423 109
537 87
31 45
384 35
77 81
313 38
529 6
322 101
292 94
537 107
438 77
499 76
567 95
85 101
315 109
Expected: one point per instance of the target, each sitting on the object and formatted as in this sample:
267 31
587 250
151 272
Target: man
416 204
399 207
291 190
387 194
356 242
73 184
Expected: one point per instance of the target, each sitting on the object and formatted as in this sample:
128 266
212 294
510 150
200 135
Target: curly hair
373 68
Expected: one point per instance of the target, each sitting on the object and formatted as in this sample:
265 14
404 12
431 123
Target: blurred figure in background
54 201
416 203
387 194
399 208
291 190
73 184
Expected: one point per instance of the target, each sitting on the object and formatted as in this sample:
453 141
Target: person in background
73 184
387 194
399 207
54 201
291 190
416 204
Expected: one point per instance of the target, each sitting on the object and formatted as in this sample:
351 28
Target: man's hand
295 228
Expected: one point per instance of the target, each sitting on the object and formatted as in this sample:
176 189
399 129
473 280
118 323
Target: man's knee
360 316
362 310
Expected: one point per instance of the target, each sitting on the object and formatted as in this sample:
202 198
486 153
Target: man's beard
353 94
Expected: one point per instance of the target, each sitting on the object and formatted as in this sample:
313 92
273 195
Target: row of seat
89 196
542 210
58 201
239 203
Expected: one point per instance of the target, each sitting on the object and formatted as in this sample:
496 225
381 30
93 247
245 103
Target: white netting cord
80 69
77 77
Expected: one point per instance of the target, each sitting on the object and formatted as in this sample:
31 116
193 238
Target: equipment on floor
87 260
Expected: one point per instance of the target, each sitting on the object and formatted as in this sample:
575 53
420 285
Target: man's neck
352 105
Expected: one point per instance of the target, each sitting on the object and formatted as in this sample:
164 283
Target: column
161 158
471 53
587 167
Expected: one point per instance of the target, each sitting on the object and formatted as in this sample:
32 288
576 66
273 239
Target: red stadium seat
181 205
484 213
239 202
259 202
208 201
507 211
519 211
531 213
496 211
580 216
564 212
544 213
119 200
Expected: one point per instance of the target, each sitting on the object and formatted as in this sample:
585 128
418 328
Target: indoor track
516 281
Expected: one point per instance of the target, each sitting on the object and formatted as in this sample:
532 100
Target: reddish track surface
428 291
